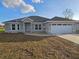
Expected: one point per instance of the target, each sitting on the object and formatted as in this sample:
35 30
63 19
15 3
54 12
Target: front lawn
20 46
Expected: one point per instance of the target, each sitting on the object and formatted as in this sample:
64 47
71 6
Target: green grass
2 30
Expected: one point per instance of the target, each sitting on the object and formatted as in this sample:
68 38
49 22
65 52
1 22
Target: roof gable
27 20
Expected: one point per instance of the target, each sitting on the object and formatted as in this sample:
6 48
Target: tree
68 13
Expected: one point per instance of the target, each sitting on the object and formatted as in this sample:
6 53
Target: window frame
13 27
40 26
54 24
18 26
36 26
59 24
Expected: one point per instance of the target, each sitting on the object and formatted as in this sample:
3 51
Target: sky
12 9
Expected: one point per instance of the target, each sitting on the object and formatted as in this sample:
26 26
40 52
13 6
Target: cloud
12 3
37 1
25 8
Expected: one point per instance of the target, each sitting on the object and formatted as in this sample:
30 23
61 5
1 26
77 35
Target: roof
34 18
61 19
38 18
15 20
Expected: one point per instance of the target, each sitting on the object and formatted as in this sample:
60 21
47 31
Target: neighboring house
1 26
56 25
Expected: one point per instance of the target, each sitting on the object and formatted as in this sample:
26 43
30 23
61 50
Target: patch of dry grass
20 46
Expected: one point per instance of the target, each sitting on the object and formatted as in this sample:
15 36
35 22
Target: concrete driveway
71 37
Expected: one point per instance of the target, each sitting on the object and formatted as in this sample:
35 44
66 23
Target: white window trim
11 27
38 27
35 27
17 26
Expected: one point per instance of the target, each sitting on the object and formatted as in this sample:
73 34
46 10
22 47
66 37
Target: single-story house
56 25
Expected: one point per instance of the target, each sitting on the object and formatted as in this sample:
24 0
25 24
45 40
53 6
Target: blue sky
49 8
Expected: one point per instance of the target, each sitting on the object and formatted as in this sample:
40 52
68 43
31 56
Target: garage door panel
60 29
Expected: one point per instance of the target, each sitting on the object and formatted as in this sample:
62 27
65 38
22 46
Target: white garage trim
61 28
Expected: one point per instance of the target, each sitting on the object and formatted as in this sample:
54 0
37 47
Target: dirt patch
20 46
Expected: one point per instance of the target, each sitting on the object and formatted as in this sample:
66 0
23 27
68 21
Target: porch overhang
27 26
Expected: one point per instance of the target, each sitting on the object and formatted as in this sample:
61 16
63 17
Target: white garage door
61 28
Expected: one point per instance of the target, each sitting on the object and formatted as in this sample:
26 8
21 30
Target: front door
27 27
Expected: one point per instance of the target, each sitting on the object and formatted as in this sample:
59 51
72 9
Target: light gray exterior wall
45 27
33 26
8 27
22 27
77 26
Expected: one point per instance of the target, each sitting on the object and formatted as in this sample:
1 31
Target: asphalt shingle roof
60 19
15 20
40 19
34 18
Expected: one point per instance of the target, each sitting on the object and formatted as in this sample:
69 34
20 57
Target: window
36 27
59 24
64 24
18 26
39 26
53 24
13 26
69 24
